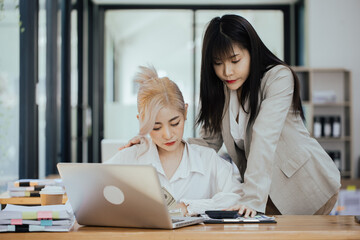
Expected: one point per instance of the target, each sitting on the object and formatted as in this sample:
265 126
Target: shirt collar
151 156
188 166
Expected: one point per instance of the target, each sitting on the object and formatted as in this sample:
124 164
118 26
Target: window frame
90 132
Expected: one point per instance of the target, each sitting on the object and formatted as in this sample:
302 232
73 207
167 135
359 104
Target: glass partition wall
107 45
170 40
144 37
9 92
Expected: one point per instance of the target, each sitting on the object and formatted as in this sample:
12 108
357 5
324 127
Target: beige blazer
281 159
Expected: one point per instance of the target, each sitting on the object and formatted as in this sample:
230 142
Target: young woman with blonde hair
195 175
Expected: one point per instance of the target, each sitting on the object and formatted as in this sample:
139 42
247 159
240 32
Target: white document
51 218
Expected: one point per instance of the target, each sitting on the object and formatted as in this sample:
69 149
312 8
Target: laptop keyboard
176 220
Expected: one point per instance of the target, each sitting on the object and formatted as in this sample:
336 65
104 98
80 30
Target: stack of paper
51 218
30 187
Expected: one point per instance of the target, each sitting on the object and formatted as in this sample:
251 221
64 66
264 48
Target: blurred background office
67 67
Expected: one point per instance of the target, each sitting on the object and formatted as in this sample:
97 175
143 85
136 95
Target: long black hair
219 38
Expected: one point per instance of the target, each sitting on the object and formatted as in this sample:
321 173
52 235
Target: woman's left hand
243 210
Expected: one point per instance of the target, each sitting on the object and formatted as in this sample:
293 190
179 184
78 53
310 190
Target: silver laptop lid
115 195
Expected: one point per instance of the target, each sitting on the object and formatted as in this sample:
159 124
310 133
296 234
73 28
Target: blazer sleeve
276 101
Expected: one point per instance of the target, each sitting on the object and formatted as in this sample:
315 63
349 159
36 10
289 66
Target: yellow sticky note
351 188
29 215
55 214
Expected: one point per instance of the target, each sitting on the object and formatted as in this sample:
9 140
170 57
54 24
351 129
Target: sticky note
11 228
36 228
29 215
55 215
46 222
351 188
340 208
16 221
44 215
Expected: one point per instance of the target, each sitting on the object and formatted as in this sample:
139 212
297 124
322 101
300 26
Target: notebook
257 219
118 195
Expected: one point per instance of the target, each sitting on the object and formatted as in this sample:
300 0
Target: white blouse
237 128
203 180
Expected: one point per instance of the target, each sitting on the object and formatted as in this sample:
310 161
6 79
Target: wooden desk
287 227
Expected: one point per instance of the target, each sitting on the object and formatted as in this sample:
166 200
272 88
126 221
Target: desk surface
287 227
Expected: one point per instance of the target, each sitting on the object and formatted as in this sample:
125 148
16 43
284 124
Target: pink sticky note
44 215
16 221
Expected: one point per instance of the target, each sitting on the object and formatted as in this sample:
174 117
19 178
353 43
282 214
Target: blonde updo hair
154 94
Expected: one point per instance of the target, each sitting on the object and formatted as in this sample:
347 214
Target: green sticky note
351 188
29 215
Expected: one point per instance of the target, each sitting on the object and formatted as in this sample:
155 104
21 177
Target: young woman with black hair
250 101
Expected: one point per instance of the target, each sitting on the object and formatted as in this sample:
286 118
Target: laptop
118 196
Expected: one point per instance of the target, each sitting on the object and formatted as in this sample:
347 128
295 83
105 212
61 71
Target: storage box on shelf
326 96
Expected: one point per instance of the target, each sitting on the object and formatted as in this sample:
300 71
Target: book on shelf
30 187
34 182
24 189
24 193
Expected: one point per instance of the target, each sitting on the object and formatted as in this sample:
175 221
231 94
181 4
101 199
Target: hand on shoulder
135 140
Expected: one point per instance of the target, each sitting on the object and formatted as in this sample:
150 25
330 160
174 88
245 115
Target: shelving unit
326 95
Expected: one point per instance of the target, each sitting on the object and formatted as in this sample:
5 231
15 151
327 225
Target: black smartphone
357 218
219 214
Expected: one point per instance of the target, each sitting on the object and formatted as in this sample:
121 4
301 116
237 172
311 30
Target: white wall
332 35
